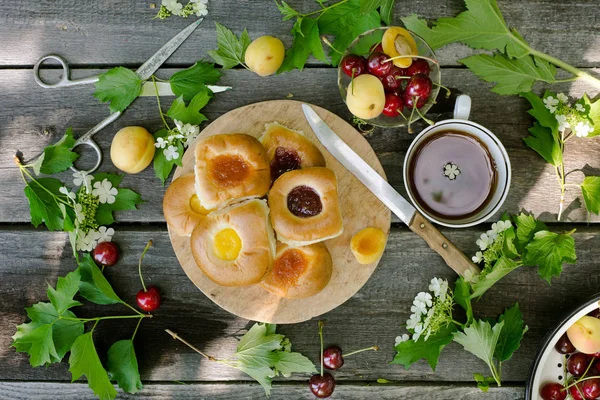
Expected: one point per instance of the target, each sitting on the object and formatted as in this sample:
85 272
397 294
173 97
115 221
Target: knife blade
455 259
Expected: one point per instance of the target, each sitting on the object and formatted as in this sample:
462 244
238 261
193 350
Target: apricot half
585 334
396 42
265 55
132 149
368 245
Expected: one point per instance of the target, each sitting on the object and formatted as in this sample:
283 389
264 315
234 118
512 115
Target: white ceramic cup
501 162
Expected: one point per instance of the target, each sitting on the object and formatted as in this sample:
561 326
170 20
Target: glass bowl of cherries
389 77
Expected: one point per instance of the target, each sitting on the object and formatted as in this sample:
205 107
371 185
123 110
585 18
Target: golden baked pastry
288 150
181 206
229 168
299 272
304 206
235 246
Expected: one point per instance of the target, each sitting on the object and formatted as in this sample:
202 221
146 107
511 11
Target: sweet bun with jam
288 150
181 206
299 272
304 206
230 168
235 246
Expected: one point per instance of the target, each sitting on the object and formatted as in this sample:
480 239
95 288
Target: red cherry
353 64
393 105
575 392
591 388
148 300
577 364
377 47
418 86
418 66
322 386
332 358
377 66
393 80
553 391
564 345
106 254
595 313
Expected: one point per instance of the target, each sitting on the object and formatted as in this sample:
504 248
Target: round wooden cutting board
360 209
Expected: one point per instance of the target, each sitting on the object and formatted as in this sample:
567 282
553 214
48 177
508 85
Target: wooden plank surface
220 391
114 32
373 316
33 111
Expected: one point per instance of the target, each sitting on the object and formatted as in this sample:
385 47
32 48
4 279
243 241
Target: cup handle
462 107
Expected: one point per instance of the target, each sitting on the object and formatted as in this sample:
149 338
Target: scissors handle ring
93 145
64 80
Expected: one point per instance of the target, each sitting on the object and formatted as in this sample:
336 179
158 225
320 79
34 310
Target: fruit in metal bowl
585 334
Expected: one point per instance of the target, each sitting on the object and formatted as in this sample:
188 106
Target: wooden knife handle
455 258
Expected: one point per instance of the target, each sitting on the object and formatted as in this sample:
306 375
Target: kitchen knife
455 258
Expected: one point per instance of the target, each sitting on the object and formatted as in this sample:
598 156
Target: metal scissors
145 72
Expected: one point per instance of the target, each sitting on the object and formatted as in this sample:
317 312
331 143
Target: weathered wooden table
96 35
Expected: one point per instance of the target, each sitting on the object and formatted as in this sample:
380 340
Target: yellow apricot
368 245
398 41
132 149
265 55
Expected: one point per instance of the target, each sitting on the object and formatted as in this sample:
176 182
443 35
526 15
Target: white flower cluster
486 239
194 7
105 194
184 134
576 119
429 312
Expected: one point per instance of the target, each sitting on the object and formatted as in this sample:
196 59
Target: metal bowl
548 366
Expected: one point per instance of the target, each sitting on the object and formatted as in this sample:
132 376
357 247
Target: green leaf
93 285
549 251
591 193
483 382
162 166
480 339
527 227
508 243
462 297
501 268
46 338
84 360
231 50
66 288
115 179
122 366
482 26
120 86
386 10
307 41
43 206
540 112
286 363
190 114
545 143
287 11
410 351
512 76
57 157
126 199
191 81
345 23
512 333
594 115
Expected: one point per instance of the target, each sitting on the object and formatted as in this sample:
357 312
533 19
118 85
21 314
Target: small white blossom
190 131
451 171
470 276
173 6
484 241
105 191
418 332
582 129
400 339
562 98
551 103
418 308
423 297
579 107
477 258
161 143
79 213
562 122
199 7
171 153
82 178
413 321
497 228
105 234
86 242
67 193
173 137
439 287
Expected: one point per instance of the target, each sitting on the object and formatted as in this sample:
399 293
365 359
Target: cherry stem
159 107
430 122
140 264
136 329
328 43
412 113
412 56
177 337
374 348
448 92
321 338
